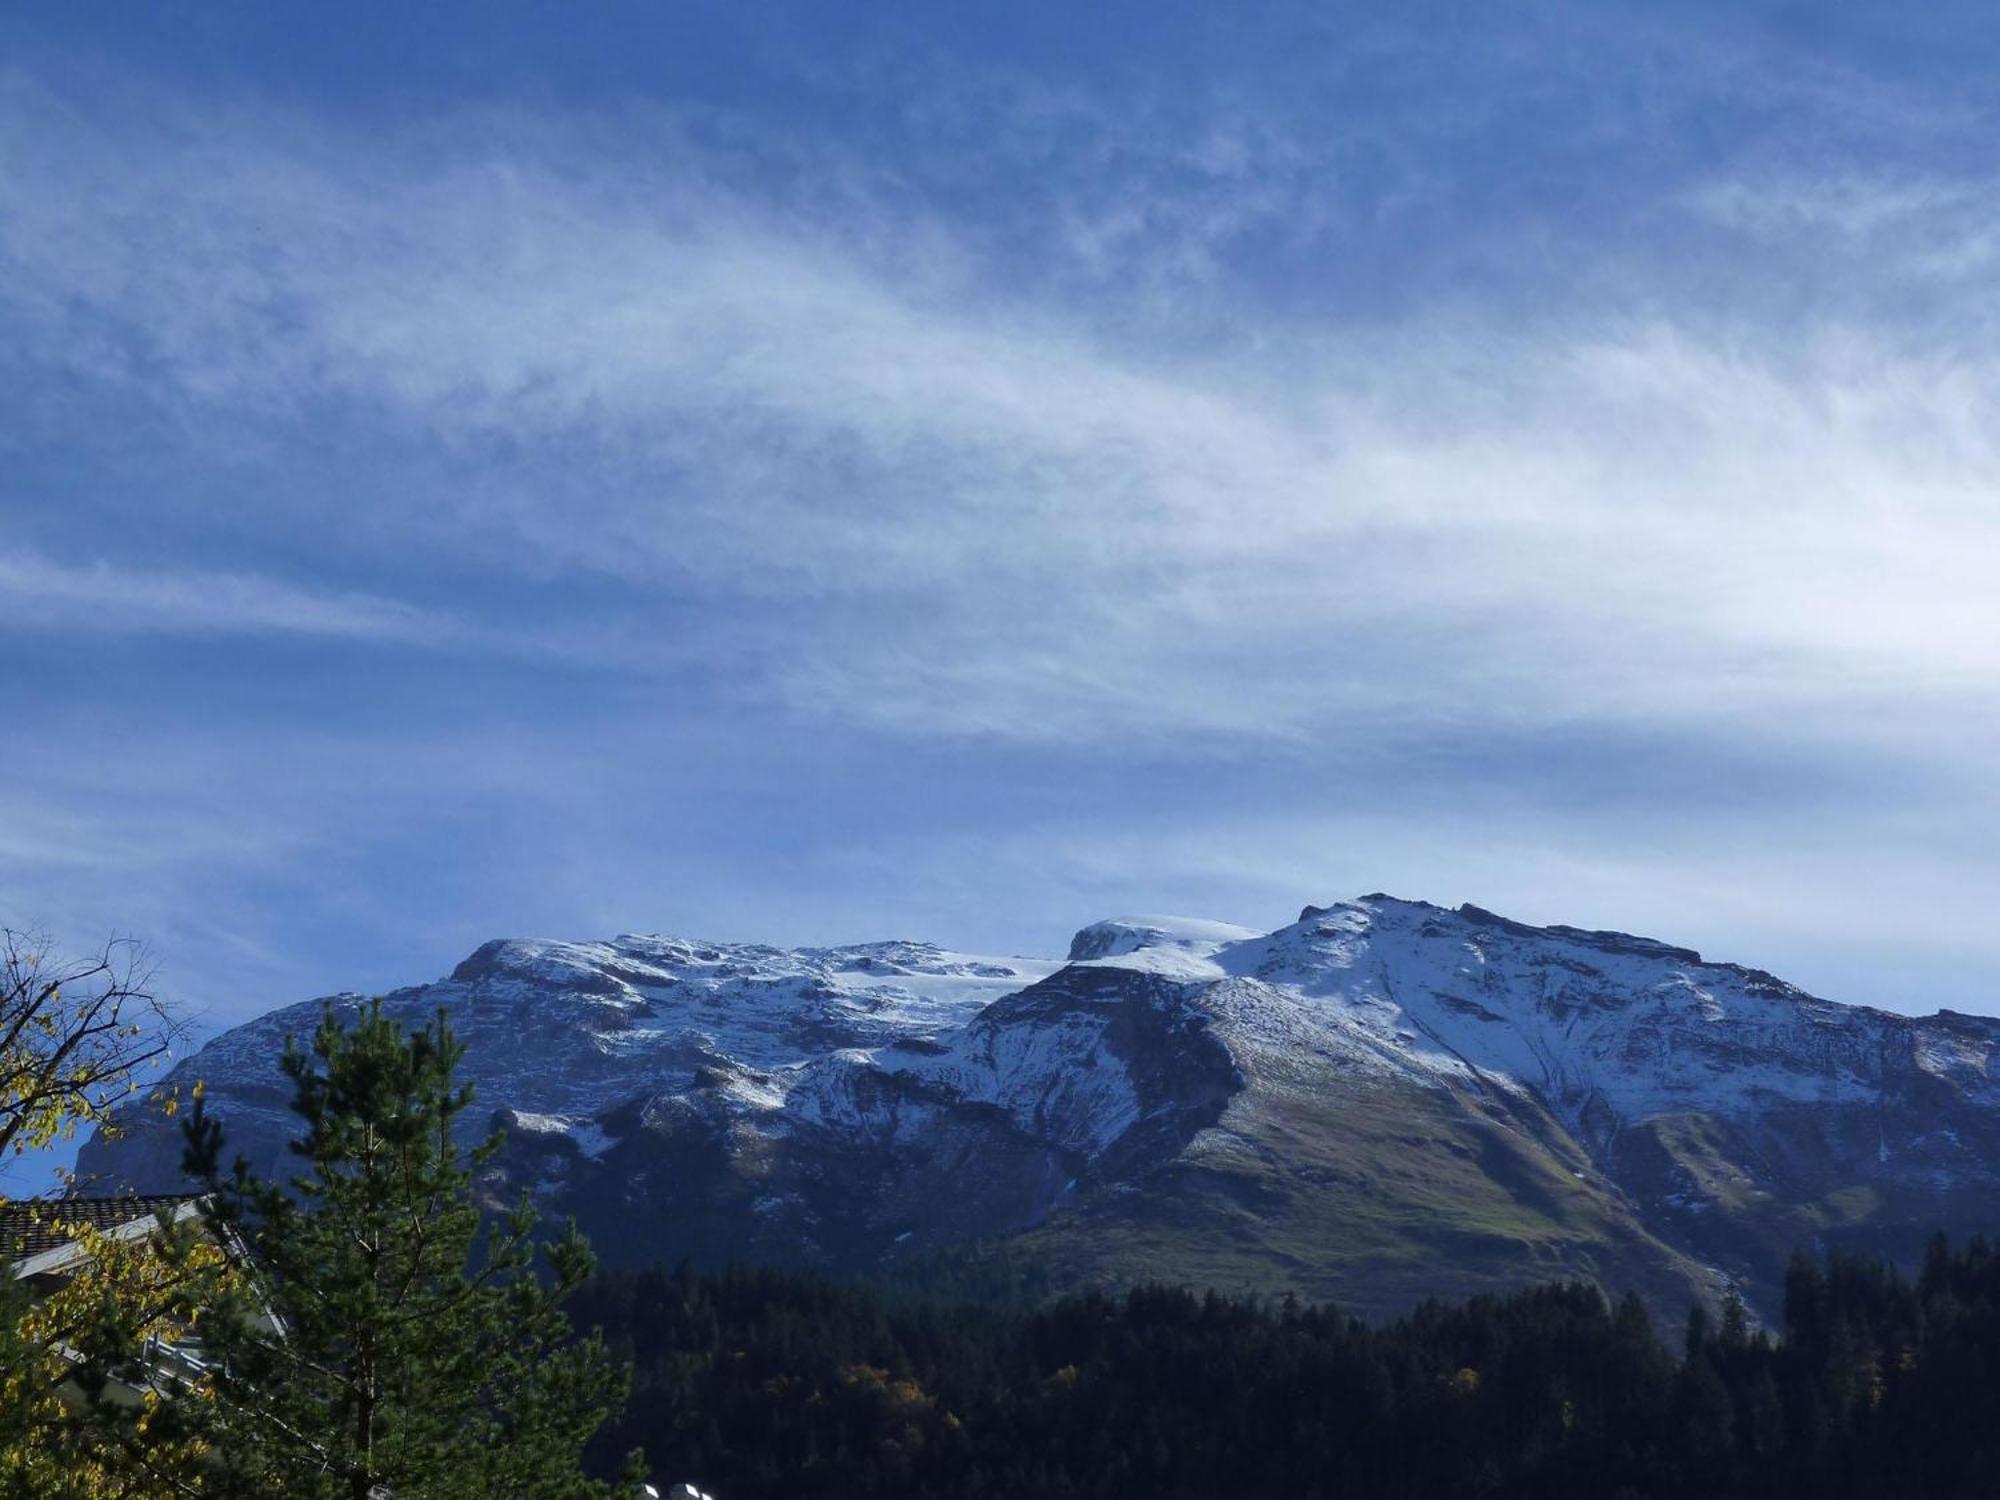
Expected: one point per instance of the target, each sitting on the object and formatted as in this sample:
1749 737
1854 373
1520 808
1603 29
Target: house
39 1242
37 1234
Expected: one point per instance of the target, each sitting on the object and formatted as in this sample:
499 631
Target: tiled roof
29 1226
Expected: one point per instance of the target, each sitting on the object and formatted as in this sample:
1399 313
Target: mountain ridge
1383 1100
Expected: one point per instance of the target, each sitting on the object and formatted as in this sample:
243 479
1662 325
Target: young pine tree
390 1341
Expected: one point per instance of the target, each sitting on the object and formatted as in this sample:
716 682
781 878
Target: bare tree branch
78 1037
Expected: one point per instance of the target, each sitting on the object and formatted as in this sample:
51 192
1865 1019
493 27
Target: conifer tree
392 1341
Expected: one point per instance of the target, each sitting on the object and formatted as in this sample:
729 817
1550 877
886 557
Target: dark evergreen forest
764 1384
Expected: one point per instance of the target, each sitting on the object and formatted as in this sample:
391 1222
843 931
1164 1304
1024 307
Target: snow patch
589 1138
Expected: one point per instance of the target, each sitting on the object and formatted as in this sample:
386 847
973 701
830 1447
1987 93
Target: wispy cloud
1461 514
1152 461
40 593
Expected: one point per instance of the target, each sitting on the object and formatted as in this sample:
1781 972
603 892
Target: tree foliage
90 1406
393 1340
78 1038
766 1385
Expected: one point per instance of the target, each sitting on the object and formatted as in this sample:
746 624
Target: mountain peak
1373 903
1117 936
1549 1096
1610 942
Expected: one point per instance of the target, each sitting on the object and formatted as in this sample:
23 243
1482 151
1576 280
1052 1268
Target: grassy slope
1374 1196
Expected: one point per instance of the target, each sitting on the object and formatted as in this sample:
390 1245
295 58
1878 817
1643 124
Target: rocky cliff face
1382 1101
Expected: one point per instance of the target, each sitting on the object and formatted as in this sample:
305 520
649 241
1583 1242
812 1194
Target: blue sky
812 473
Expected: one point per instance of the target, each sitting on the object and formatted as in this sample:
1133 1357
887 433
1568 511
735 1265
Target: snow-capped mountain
1383 1100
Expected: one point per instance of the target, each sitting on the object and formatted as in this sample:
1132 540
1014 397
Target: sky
810 473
